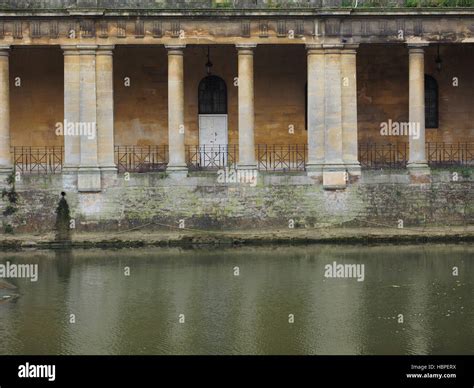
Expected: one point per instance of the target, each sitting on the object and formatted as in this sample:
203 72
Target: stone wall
239 4
197 4
159 203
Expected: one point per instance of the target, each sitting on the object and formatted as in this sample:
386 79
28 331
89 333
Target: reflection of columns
176 129
71 106
349 109
246 107
5 157
105 108
334 169
417 157
88 173
315 109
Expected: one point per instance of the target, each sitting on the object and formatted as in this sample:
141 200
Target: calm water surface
245 314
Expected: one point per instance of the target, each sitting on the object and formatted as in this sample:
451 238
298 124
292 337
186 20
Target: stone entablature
353 27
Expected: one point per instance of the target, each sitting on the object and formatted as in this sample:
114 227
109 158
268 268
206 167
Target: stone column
246 107
176 129
72 153
88 173
105 109
349 110
315 57
334 172
5 155
417 159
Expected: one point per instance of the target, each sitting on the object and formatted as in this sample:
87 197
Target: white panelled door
213 140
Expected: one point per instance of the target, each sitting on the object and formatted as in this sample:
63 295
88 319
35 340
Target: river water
268 300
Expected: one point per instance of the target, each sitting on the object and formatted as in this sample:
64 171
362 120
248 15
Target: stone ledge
253 238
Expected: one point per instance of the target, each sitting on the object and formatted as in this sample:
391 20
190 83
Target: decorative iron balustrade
449 154
390 156
396 155
282 157
211 157
141 158
38 160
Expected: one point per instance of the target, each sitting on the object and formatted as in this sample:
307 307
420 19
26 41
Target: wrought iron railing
449 154
396 155
38 160
211 157
383 155
141 158
283 158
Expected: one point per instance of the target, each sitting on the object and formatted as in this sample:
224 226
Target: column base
70 169
89 180
111 168
108 175
334 176
419 172
69 175
315 171
246 166
421 167
5 171
353 168
179 171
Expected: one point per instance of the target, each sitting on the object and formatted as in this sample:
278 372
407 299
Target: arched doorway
213 140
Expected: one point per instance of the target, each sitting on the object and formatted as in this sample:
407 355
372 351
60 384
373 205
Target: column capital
4 50
417 48
336 46
350 48
245 48
314 48
105 49
87 49
175 49
333 48
69 49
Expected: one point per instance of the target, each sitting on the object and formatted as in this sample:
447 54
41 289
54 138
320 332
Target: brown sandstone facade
326 82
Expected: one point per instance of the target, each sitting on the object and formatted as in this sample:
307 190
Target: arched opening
212 96
431 102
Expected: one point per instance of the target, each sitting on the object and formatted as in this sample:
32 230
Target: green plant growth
11 197
163 175
222 4
406 3
439 3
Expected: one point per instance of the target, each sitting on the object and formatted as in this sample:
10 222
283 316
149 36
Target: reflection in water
244 314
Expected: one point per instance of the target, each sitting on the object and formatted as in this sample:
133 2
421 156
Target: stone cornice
353 29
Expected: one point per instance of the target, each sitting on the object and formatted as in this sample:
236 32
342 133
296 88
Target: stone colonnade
332 112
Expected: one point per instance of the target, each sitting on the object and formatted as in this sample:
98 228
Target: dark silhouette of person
63 220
